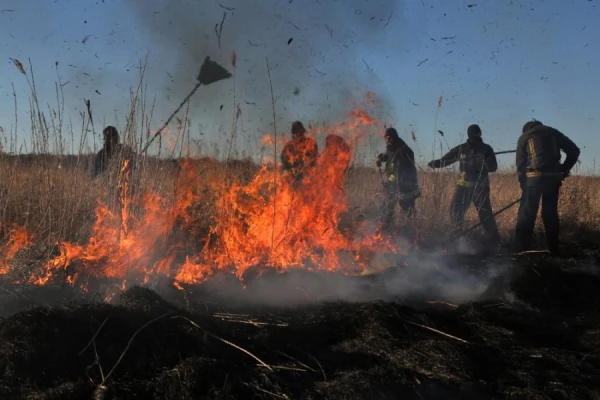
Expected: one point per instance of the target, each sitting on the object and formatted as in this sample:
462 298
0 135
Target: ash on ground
531 333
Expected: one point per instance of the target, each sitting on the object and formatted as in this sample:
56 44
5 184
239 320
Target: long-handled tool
465 231
495 153
210 72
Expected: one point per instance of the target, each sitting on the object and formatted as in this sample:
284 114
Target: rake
210 72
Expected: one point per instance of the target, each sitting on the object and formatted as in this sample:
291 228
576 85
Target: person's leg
526 218
388 207
408 207
460 204
550 217
482 202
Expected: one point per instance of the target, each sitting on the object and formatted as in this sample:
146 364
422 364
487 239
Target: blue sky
497 63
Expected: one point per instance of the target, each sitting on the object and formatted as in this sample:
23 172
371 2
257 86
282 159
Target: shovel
210 72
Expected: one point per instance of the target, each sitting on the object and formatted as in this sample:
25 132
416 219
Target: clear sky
496 63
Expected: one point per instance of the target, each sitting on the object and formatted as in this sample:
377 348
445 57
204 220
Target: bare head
473 131
531 124
390 135
111 136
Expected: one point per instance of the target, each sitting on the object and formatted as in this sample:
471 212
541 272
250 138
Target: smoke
423 276
312 47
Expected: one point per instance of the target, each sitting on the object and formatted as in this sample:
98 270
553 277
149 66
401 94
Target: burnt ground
534 333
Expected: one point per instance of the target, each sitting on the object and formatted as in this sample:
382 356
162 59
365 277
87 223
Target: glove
431 164
378 160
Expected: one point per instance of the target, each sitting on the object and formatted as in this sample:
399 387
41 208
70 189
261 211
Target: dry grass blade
245 319
438 332
442 302
283 367
320 366
235 346
279 396
131 341
19 65
297 361
93 337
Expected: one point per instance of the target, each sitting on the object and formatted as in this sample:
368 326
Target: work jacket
299 154
400 169
476 160
538 155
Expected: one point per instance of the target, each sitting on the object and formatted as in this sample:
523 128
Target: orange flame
269 222
18 239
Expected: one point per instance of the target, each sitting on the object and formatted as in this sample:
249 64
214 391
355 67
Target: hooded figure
401 184
477 160
117 163
112 150
299 154
540 176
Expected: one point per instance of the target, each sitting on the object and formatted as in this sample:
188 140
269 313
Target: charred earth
533 333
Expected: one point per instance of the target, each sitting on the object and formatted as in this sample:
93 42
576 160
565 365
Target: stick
438 332
274 154
162 128
235 346
495 153
482 221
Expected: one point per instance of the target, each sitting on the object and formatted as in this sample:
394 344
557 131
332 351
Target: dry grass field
55 198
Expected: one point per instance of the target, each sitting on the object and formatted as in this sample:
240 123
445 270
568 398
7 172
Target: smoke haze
304 42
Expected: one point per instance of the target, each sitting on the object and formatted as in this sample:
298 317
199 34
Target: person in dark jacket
111 150
115 163
540 175
401 184
477 160
299 154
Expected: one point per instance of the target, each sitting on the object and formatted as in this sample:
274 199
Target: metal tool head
211 72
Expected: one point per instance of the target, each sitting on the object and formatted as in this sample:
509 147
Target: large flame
271 222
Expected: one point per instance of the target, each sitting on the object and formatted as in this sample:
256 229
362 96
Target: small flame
18 239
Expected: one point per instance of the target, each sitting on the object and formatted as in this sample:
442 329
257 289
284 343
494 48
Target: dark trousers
393 197
548 193
480 197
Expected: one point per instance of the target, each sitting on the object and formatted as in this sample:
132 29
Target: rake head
211 72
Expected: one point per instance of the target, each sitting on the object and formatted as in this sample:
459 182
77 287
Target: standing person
477 160
401 185
540 175
112 150
335 159
117 162
299 154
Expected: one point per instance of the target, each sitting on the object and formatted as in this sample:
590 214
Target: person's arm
570 149
381 158
285 159
521 160
448 159
490 160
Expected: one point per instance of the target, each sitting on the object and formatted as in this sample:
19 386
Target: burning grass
191 224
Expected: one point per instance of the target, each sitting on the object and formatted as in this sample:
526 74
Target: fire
18 239
270 222
268 140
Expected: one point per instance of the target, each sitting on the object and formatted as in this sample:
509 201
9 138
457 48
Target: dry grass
57 202
579 206
54 197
